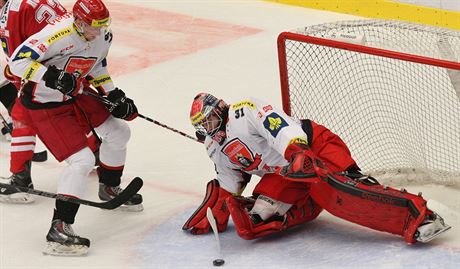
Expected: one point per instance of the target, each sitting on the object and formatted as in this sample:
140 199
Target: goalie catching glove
122 107
303 164
214 199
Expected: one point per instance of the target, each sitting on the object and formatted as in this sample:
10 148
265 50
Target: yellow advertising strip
31 70
98 82
384 9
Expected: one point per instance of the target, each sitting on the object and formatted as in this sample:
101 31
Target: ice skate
433 226
107 193
21 179
62 241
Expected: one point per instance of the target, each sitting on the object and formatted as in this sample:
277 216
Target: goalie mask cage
389 89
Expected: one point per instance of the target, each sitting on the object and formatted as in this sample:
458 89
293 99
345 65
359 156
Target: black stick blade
133 187
41 156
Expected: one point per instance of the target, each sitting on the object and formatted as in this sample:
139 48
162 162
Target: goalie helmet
209 115
92 12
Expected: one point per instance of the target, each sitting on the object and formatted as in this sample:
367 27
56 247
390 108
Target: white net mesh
400 119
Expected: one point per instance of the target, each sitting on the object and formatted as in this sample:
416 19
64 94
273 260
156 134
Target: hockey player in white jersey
53 65
303 169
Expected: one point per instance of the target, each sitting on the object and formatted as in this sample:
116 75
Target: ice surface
163 53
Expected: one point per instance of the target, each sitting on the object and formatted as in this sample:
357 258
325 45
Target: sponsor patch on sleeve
99 81
31 70
298 140
26 52
274 123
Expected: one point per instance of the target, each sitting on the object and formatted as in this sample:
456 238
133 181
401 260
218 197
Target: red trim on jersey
111 167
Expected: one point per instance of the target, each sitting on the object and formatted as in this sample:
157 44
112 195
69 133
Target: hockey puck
218 262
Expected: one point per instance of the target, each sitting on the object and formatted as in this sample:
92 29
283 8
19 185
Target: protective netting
400 119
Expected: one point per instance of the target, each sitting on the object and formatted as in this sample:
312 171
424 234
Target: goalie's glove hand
122 107
60 80
303 164
214 199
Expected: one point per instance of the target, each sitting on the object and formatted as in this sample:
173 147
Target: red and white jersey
257 138
61 45
23 18
20 19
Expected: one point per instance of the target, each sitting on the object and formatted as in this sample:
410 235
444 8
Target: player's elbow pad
214 199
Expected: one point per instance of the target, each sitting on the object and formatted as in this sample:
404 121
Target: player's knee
120 133
124 131
82 162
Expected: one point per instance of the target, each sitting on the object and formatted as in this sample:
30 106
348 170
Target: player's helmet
209 115
92 12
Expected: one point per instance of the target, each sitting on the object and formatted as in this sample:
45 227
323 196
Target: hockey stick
40 157
219 261
133 187
112 105
7 129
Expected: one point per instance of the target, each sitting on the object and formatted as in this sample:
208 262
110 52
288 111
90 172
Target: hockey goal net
390 89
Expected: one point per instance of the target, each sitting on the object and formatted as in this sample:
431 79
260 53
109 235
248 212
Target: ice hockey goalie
303 167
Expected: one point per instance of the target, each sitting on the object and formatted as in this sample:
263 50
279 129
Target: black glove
60 80
122 107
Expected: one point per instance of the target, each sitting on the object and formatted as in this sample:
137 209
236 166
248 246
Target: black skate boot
21 179
107 193
62 241
109 187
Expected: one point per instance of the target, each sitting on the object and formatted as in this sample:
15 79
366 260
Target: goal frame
344 46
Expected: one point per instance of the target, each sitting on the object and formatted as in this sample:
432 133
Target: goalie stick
219 261
133 187
112 106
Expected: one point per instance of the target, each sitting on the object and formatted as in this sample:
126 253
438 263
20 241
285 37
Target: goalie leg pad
249 226
374 206
214 199
245 225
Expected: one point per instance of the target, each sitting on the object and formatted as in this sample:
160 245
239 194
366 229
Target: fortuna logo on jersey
239 154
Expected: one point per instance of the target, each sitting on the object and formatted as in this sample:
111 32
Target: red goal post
390 89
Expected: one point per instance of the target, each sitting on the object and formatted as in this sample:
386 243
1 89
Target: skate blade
57 249
128 208
131 208
424 239
17 198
